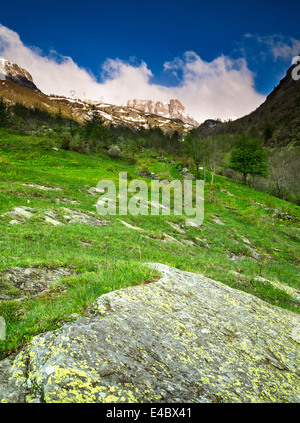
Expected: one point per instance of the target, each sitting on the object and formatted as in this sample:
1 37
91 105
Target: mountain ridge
276 120
17 86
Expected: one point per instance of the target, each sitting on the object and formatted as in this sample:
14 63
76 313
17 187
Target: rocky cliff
185 338
12 72
172 110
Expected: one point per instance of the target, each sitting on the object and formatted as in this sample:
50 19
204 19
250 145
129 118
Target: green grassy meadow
251 241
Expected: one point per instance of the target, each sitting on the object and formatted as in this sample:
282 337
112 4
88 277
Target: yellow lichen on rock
185 338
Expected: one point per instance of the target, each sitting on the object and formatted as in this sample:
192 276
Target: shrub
115 152
179 165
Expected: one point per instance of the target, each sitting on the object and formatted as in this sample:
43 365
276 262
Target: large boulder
185 338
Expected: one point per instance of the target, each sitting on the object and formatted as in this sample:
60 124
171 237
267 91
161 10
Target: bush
115 152
179 165
65 142
131 160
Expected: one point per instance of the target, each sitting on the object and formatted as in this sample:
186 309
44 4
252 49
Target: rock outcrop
185 338
172 110
19 283
12 72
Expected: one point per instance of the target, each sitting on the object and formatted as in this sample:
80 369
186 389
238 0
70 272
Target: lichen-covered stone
185 338
19 282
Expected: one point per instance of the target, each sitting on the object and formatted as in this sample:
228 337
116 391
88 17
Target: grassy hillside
14 93
276 122
249 240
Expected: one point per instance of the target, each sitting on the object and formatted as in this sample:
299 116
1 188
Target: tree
249 157
268 131
94 129
173 142
197 148
156 138
4 115
217 147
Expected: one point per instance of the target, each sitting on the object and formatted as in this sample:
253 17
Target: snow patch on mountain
2 69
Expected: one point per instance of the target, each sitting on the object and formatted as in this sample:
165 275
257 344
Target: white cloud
279 46
286 51
223 88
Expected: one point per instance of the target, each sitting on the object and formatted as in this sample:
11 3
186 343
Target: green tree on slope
197 148
249 158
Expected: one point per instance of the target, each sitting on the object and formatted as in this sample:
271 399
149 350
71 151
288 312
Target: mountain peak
12 72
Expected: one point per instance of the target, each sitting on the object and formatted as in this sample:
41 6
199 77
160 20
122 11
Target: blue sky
170 43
